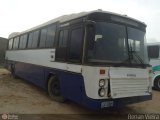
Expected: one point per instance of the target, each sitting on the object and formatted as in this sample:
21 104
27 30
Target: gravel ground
20 97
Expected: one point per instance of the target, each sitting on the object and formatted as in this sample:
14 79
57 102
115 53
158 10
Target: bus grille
129 87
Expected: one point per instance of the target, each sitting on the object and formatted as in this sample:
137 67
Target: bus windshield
111 45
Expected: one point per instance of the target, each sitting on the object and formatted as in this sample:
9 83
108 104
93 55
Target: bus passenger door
75 45
73 82
61 49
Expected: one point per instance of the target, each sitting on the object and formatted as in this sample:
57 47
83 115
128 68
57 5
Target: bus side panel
71 84
32 73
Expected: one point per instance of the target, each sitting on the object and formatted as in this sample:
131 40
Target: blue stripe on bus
72 85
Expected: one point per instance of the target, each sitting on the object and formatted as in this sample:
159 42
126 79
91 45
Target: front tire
157 83
54 90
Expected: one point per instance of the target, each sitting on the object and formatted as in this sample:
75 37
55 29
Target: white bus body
154 56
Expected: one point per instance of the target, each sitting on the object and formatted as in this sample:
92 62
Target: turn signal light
102 71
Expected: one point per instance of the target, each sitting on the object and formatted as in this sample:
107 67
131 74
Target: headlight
101 82
101 92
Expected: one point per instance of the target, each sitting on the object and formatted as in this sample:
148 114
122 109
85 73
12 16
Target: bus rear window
153 51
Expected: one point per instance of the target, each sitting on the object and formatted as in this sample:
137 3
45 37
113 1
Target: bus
154 56
97 59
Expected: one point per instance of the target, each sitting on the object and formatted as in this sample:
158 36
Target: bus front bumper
116 103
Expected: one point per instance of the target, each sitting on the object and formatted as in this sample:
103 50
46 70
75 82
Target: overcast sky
19 15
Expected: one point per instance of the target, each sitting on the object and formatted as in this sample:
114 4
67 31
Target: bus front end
116 70
116 86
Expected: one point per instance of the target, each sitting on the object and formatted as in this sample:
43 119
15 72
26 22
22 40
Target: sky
20 15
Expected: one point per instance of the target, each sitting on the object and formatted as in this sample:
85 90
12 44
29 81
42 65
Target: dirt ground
20 97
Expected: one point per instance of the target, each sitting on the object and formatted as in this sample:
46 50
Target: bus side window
24 41
43 37
10 44
30 39
50 36
76 45
35 39
60 42
153 51
16 43
61 50
21 42
63 38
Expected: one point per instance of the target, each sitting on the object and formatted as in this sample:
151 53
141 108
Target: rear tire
13 71
157 83
54 90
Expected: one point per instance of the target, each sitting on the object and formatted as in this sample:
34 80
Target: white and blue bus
97 59
154 56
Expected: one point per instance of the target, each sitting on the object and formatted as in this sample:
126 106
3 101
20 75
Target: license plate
107 104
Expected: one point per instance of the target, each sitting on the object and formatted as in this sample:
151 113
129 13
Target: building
3 47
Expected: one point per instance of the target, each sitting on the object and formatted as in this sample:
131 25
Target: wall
3 47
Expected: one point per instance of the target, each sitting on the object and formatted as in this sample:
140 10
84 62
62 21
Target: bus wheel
157 83
13 71
54 89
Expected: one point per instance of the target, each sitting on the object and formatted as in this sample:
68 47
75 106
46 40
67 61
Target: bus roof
69 17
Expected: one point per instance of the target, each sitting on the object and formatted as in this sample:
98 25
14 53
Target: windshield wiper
132 52
139 58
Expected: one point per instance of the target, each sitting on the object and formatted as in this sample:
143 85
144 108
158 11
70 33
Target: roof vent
100 10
